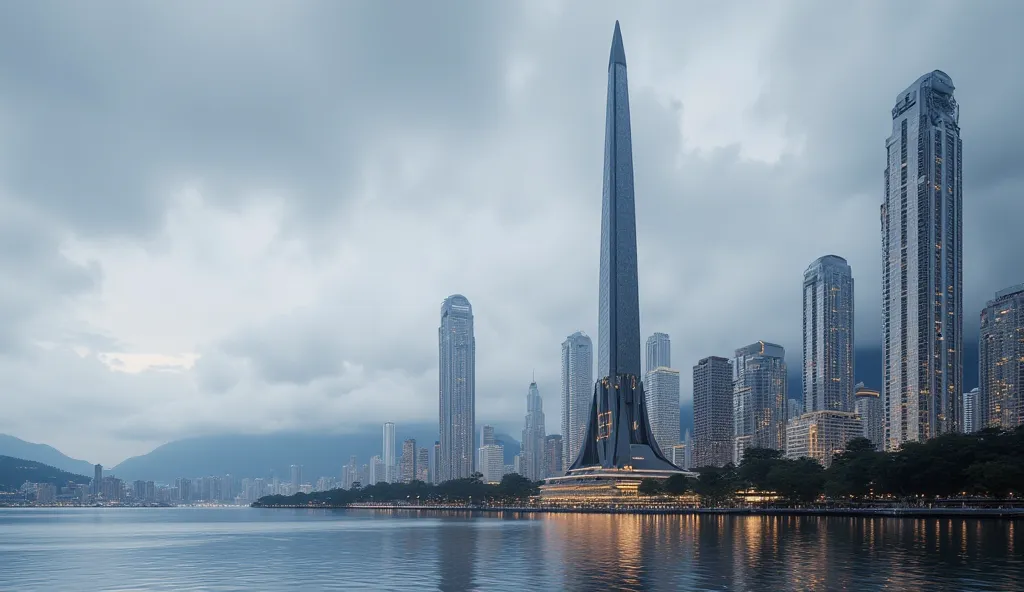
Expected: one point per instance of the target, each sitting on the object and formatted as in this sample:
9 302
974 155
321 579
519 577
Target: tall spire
618 55
618 334
619 433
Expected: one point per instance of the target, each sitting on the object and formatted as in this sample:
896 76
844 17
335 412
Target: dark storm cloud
422 149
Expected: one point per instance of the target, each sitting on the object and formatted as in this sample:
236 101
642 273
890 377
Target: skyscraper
1001 361
457 386
577 392
97 479
377 472
487 435
828 335
712 412
390 465
661 389
972 411
618 430
659 352
533 435
435 474
922 263
553 455
423 465
296 478
409 461
871 411
759 395
492 462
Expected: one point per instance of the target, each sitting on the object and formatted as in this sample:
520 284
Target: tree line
512 488
988 463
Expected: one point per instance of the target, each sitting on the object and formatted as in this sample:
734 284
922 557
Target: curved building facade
828 335
457 388
1001 361
922 264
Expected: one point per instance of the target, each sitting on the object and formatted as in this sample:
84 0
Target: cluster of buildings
741 402
627 422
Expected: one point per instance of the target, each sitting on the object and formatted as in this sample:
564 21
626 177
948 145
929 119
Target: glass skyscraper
457 386
577 392
828 335
759 395
922 263
1001 361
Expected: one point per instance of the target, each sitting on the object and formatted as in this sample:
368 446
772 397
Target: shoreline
992 513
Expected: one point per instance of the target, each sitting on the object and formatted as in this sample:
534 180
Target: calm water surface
252 549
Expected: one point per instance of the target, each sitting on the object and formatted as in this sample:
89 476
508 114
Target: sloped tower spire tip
618 55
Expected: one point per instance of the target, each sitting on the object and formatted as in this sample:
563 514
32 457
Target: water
252 549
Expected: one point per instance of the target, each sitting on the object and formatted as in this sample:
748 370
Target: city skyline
343 253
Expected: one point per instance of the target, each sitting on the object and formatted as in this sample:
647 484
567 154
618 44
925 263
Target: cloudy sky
243 217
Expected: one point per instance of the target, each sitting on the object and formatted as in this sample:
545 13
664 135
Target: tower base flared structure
619 450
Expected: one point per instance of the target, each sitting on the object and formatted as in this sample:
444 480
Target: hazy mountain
42 453
270 455
16 471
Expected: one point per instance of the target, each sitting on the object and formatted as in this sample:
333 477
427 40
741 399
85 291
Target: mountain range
271 455
15 471
42 453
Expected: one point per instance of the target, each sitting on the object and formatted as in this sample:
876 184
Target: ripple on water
227 549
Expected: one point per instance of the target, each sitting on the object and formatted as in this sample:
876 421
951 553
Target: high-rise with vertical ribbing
922 265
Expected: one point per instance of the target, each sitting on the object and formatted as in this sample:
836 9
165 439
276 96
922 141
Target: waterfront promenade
896 512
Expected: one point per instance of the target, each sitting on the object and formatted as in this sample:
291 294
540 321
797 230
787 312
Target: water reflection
359 550
457 554
717 552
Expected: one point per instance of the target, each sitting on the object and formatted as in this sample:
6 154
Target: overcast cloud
243 216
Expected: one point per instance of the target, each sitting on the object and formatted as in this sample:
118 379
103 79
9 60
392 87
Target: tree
716 486
649 487
856 471
516 486
800 480
757 463
997 478
677 484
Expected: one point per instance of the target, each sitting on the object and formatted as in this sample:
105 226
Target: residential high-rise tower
661 388
828 335
390 465
1001 361
868 406
759 395
922 264
457 386
712 412
577 392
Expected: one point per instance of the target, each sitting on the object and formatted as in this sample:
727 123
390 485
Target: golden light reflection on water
708 552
